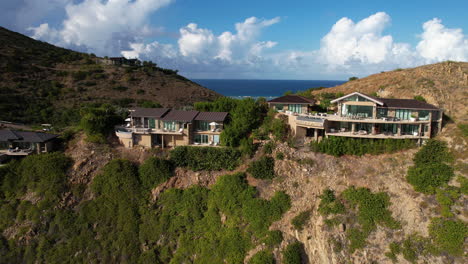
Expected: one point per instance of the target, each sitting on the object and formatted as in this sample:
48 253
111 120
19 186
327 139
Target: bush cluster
371 210
205 158
263 257
430 170
264 168
329 204
292 254
338 146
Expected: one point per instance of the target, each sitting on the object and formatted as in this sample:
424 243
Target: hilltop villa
362 116
164 127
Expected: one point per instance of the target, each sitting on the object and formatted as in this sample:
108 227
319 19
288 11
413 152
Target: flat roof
393 103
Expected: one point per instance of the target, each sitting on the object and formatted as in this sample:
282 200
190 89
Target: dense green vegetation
205 158
448 235
246 115
121 224
97 122
292 254
338 146
430 169
277 127
264 168
329 204
263 257
364 209
154 171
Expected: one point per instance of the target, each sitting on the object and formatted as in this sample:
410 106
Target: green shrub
357 239
273 238
269 147
464 129
292 254
428 178
97 122
280 156
154 171
446 198
338 146
264 168
448 235
300 220
434 151
463 184
262 257
329 204
247 147
419 98
205 158
395 249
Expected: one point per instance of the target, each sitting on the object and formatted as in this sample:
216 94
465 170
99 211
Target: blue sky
253 39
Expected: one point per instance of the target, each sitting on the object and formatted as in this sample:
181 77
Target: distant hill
38 81
443 84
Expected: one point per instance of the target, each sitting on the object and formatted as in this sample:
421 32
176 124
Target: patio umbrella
128 119
213 124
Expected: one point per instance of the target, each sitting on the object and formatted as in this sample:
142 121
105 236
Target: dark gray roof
180 115
25 136
292 99
211 116
149 112
407 104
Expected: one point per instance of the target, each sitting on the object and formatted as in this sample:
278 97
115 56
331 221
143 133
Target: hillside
443 84
37 80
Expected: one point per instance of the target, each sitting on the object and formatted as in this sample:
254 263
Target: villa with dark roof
363 116
164 127
22 143
292 103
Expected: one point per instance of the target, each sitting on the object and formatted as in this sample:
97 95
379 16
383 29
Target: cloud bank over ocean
349 48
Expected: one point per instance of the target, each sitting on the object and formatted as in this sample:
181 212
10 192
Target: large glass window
203 125
152 123
382 112
170 125
403 114
409 129
364 126
388 128
296 108
202 139
4 145
357 110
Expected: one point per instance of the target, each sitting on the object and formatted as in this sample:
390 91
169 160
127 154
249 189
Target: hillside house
362 116
292 104
164 127
23 143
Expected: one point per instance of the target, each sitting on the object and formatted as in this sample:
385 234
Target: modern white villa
363 116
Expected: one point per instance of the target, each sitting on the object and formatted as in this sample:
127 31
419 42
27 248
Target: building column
420 129
315 134
398 129
173 141
162 141
441 119
353 127
374 112
374 130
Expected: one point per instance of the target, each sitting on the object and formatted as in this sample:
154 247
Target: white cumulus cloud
439 43
102 26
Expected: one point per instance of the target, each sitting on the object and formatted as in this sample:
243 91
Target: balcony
125 131
365 134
